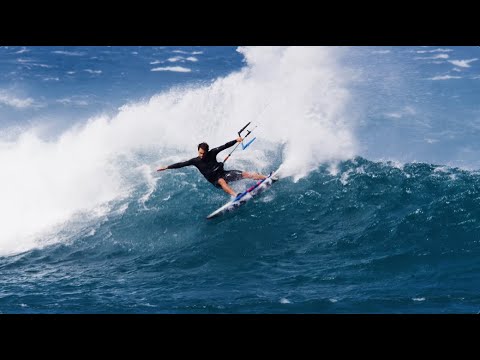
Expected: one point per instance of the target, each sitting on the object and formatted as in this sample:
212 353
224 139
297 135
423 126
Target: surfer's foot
237 196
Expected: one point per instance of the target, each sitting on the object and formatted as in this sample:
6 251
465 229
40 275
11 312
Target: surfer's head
202 150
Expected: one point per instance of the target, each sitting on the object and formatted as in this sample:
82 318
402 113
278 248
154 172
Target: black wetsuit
210 167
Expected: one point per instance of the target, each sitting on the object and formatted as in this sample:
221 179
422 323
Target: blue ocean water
377 209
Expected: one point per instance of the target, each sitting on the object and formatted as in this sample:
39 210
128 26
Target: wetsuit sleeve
181 164
216 150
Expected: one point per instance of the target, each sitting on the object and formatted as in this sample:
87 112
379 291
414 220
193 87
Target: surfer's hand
239 139
162 168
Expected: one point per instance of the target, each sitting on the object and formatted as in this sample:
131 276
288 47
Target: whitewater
89 226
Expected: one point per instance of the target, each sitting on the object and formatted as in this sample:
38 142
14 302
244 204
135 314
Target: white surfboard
243 197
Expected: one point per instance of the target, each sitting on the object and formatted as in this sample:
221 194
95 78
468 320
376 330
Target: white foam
68 53
172 68
146 172
297 95
444 77
13 101
306 91
462 63
96 72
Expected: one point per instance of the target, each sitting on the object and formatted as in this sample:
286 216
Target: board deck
248 194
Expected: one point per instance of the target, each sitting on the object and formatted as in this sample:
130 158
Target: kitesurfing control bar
240 135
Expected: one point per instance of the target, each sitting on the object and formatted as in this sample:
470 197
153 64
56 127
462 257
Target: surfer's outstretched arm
216 150
177 165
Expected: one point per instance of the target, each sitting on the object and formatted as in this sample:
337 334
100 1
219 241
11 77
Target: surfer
207 163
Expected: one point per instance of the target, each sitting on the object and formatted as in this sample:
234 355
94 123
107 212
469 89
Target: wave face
83 171
361 237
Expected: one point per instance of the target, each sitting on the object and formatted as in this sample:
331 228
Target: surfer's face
201 153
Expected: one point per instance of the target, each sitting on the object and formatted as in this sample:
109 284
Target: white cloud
93 71
172 68
192 58
13 101
444 77
462 63
155 62
381 52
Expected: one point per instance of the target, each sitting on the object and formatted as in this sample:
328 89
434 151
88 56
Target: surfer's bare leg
253 176
226 188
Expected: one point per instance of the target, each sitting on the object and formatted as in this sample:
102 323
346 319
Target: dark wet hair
203 146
